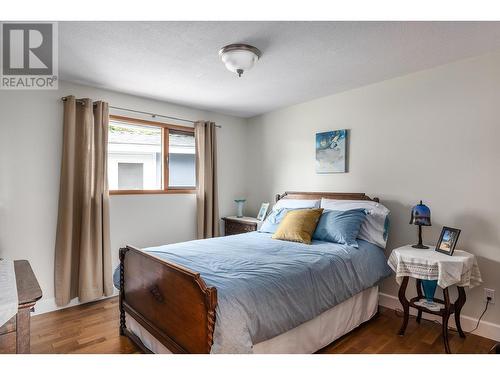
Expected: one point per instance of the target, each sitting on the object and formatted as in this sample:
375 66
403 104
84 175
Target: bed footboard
172 302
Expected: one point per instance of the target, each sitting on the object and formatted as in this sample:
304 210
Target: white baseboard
485 329
49 304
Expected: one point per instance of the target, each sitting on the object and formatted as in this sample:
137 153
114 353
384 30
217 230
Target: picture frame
448 240
263 211
331 151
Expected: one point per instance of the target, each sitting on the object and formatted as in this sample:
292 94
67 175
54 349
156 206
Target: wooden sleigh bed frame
173 303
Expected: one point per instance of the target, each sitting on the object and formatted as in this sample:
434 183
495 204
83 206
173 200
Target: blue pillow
274 219
340 226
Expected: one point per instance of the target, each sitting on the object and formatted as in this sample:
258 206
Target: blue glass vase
429 289
239 207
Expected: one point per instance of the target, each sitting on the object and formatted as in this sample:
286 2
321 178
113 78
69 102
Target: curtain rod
153 115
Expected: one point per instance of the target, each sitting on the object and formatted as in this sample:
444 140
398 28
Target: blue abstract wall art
331 151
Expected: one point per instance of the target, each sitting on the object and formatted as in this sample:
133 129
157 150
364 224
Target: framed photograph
331 151
448 240
263 211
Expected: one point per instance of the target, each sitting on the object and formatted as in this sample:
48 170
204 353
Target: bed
248 293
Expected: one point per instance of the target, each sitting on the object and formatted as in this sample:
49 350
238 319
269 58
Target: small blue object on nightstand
421 216
239 207
429 287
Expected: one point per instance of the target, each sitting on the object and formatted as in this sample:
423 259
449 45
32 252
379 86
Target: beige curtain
207 202
82 251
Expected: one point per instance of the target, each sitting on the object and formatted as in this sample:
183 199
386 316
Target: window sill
139 192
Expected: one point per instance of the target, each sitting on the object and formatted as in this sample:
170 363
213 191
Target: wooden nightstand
460 270
237 225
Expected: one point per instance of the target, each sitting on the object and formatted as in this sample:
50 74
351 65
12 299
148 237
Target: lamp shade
421 215
239 58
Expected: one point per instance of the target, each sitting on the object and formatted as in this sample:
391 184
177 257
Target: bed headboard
319 195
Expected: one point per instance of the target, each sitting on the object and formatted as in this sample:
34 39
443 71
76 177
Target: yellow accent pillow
298 225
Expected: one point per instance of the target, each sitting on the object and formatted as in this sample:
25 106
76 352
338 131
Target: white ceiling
178 61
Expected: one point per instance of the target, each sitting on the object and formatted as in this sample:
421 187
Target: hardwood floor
93 328
89 328
379 336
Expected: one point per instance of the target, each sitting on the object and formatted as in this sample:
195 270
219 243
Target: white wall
30 158
433 135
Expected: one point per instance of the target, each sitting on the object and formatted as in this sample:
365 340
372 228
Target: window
181 159
150 157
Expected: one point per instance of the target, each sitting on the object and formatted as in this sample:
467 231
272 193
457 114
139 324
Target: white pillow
375 228
296 203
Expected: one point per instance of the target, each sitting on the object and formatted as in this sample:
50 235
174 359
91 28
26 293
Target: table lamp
420 215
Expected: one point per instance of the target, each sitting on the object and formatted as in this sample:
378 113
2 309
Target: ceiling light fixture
239 57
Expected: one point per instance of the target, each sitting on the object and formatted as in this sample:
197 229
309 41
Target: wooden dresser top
28 289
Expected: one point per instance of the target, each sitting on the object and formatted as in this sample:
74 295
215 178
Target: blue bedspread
266 287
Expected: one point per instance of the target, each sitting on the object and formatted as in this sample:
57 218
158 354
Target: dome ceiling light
239 57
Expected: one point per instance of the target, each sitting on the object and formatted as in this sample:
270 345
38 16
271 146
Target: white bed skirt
309 337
